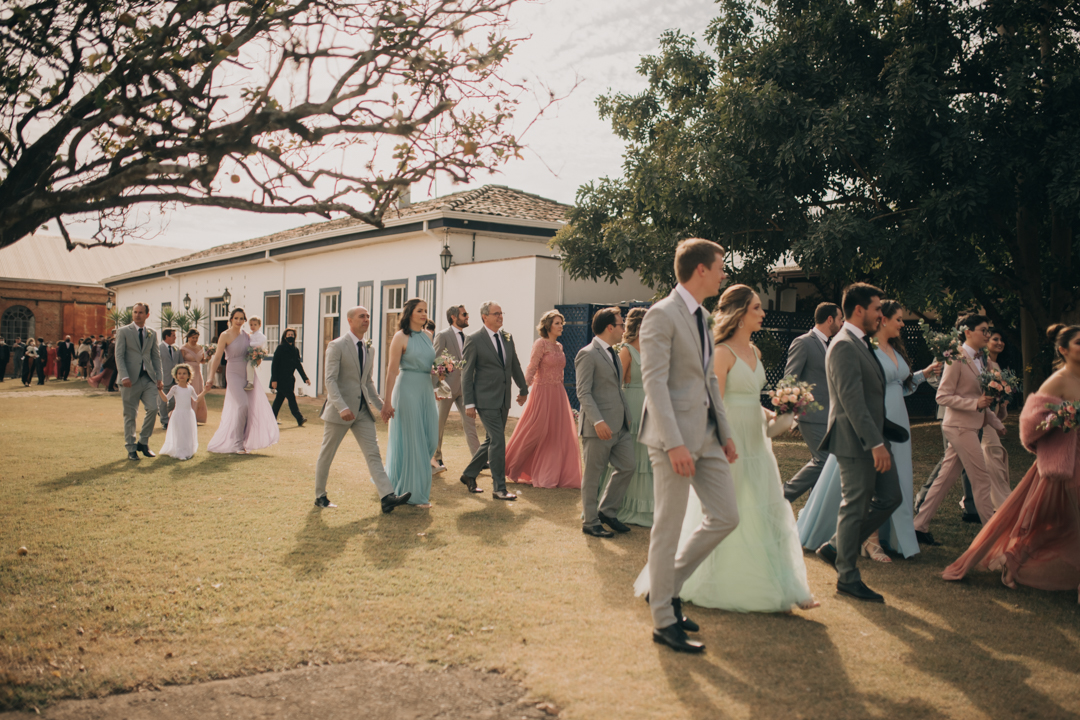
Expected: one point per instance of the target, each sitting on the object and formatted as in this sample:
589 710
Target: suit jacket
680 392
806 361
856 397
447 340
167 363
485 381
345 386
129 356
599 390
64 350
18 350
286 362
959 392
5 355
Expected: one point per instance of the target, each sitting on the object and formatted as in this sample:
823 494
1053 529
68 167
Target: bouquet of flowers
998 385
209 350
443 366
255 355
1061 415
793 397
945 347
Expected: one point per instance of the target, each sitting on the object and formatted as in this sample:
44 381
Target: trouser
468 423
493 450
164 408
143 390
619 452
363 429
16 367
65 368
286 391
967 503
40 367
28 370
868 499
964 453
804 480
670 565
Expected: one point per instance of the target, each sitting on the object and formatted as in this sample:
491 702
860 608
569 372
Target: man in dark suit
65 350
283 375
18 350
42 361
806 361
5 355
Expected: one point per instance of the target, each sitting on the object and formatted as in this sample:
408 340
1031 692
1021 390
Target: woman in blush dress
1034 538
247 422
192 353
409 406
543 451
817 520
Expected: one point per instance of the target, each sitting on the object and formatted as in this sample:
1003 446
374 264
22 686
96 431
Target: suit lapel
691 323
862 343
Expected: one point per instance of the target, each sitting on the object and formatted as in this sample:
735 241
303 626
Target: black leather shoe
827 553
971 518
614 524
301 421
470 483
391 501
597 531
324 502
859 591
675 638
145 450
925 538
503 495
683 622
132 455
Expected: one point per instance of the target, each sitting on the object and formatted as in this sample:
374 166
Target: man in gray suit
806 361
604 425
490 364
452 340
858 435
684 425
169 357
138 365
351 402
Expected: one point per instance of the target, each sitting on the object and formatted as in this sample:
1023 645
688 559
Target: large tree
284 106
931 146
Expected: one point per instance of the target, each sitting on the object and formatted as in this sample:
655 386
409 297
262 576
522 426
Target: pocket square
894 433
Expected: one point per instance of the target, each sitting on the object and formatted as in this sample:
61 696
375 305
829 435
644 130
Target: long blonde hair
729 313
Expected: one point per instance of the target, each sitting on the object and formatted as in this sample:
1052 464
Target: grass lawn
164 572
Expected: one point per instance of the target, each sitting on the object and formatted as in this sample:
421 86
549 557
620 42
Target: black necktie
170 353
462 336
498 346
618 365
360 354
140 337
701 331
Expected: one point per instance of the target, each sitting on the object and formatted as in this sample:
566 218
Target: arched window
17 322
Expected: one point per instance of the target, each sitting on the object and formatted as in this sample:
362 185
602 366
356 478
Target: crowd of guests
60 360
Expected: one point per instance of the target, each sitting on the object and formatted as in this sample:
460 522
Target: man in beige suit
685 427
138 365
966 413
452 340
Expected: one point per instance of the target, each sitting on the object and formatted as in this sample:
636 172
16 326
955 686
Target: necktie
618 365
701 332
140 337
462 336
360 354
498 346
170 353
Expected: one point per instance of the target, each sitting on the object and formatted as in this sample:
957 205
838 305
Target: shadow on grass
317 543
493 522
85 475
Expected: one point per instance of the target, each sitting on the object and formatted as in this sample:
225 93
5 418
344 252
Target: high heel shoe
872 549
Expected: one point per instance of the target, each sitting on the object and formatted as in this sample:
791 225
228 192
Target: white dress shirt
821 336
692 305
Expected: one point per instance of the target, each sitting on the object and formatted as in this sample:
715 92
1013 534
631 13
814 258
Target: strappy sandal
872 549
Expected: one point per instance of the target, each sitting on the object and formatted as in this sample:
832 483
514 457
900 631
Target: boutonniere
617 347
506 335
367 343
874 343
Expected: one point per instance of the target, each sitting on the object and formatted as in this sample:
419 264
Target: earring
740 324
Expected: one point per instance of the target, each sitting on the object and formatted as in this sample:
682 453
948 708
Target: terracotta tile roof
494 200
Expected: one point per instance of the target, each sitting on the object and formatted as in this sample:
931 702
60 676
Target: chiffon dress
195 359
182 435
414 429
543 451
247 420
637 505
817 519
759 567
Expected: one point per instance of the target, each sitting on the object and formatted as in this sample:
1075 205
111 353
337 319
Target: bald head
359 320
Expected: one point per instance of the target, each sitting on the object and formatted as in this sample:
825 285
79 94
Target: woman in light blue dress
817 520
411 409
759 567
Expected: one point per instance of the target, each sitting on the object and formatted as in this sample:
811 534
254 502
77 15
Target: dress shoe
683 622
301 421
859 591
925 538
470 483
614 524
487 466
503 495
675 638
597 531
971 518
827 553
145 450
132 455
324 502
391 501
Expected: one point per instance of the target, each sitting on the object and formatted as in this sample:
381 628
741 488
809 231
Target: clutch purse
895 433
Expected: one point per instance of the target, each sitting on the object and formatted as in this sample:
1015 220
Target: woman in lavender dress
247 420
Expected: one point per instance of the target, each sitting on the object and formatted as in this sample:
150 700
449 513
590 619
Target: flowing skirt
182 435
543 451
414 436
247 420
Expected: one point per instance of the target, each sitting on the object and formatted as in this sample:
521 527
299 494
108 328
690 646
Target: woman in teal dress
759 567
411 409
637 504
817 520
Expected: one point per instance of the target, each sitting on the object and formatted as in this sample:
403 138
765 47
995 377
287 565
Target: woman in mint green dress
410 408
637 504
759 567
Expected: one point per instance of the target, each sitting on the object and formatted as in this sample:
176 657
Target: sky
594 43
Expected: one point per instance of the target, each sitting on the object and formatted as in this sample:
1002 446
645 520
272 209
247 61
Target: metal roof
45 258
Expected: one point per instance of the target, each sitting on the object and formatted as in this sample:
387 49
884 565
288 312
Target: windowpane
272 309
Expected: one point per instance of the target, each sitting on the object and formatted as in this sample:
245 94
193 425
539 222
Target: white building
308 277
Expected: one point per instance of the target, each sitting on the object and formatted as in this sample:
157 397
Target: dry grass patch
166 572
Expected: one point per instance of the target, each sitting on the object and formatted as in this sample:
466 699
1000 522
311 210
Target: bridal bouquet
945 347
1061 415
793 397
443 366
998 385
255 355
209 350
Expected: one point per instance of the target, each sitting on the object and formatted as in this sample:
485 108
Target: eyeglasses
498 314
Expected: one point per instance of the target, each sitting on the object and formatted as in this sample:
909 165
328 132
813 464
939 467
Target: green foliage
119 318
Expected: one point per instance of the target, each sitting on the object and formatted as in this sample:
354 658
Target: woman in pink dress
247 420
543 451
50 366
1034 538
194 355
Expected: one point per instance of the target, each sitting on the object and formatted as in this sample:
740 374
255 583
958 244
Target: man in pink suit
966 413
